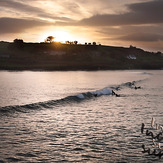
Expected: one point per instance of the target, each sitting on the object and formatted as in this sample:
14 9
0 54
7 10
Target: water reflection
18 88
101 129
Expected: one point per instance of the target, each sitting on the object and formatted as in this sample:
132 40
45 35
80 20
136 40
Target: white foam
81 96
105 91
146 73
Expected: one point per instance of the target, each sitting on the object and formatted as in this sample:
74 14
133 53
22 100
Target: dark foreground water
72 116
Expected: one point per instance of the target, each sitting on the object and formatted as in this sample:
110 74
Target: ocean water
72 116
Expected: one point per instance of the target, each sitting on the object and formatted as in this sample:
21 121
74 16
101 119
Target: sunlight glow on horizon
60 36
108 22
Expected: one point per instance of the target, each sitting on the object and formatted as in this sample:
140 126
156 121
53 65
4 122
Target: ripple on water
104 129
26 154
14 159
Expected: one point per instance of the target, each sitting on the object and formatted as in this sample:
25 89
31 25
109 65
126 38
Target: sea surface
72 116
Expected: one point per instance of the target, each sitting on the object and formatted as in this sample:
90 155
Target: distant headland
19 55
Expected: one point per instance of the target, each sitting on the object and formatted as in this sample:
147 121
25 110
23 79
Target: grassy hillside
57 56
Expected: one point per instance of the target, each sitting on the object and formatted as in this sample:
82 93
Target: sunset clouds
111 22
138 14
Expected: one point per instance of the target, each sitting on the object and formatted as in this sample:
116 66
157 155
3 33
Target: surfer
95 95
113 93
142 128
145 150
137 87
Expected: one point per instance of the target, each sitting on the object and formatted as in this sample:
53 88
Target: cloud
109 21
144 37
71 7
30 10
147 33
138 13
19 6
14 25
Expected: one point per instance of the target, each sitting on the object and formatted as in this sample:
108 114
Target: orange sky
109 22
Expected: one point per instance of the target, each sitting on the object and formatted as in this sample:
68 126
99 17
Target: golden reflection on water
18 88
101 129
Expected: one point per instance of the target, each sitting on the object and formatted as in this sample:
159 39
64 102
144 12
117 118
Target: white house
131 56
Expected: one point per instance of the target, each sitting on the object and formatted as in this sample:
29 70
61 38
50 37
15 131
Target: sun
60 36
63 36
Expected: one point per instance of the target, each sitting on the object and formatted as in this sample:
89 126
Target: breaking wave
69 99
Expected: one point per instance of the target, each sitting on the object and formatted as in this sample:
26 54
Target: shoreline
60 70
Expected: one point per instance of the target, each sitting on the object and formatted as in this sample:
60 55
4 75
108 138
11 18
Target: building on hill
131 56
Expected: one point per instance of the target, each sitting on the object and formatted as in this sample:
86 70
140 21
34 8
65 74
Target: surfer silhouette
113 93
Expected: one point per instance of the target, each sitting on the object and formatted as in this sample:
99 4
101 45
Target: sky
108 22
